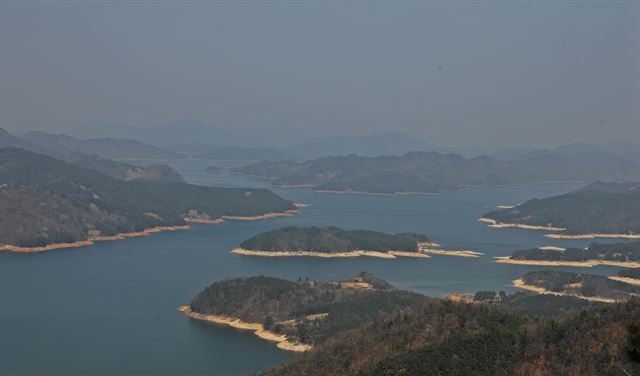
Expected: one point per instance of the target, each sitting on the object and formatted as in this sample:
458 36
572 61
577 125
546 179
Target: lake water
110 309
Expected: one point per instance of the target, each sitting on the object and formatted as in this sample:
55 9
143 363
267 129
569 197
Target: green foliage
633 341
273 301
581 284
444 338
595 209
111 205
595 251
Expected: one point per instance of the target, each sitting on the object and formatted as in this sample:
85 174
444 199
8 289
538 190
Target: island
431 172
596 288
333 242
614 254
48 204
297 314
599 210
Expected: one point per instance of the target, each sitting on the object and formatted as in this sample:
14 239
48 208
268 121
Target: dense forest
430 172
438 337
595 251
292 308
579 284
71 201
332 239
597 208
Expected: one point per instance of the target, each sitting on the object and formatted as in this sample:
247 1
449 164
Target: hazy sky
531 74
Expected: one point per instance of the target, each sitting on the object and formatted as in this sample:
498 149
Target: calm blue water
110 309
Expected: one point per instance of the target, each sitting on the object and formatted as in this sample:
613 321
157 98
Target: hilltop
57 192
332 241
597 209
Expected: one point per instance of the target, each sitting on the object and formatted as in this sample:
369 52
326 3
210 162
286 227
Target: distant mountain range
111 148
83 153
431 172
229 153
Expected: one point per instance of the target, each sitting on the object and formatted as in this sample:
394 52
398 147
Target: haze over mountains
431 172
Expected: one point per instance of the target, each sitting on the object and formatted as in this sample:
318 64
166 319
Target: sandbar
444 252
495 224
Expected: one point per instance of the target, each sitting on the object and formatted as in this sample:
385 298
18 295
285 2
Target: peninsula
599 210
49 204
615 254
584 286
333 242
297 315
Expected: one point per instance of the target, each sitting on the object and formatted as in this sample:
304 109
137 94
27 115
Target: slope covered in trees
629 251
332 239
56 190
604 208
306 311
445 338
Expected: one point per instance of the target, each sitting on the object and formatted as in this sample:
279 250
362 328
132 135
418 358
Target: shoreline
495 224
287 213
374 193
282 342
346 254
628 280
520 283
146 232
593 236
580 264
456 253
93 239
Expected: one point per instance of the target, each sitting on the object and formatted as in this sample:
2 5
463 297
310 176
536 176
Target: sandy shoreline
288 213
629 280
93 239
593 236
357 253
147 232
580 264
519 283
282 342
444 252
375 193
495 224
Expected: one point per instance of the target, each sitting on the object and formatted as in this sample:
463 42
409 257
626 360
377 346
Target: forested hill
306 311
428 172
56 192
597 208
445 338
580 284
332 239
124 171
628 251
